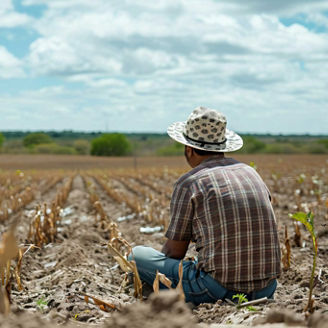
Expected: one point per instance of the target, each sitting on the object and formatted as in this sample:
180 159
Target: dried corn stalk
8 251
61 197
4 301
104 306
298 235
105 222
132 203
43 228
110 191
287 252
21 253
126 266
51 183
94 200
16 202
179 286
160 277
115 235
104 219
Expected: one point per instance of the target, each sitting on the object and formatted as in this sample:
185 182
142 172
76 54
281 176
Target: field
67 209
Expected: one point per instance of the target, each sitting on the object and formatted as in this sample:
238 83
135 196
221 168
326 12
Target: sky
139 65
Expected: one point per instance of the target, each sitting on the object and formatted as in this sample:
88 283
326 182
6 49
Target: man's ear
189 151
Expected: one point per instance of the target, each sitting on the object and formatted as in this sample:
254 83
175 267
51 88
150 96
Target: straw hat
206 129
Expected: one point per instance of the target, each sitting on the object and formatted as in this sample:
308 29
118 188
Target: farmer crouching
224 207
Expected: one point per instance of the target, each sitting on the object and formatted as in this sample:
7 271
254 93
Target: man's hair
205 152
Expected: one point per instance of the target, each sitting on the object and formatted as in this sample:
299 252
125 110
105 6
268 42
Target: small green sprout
307 220
253 165
41 303
243 299
301 178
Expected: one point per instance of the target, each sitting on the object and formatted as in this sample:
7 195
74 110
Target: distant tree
110 144
36 138
323 142
174 149
81 146
252 145
2 139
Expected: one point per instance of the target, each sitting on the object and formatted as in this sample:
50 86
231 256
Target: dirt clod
160 311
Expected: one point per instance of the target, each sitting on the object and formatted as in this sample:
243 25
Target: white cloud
168 56
10 66
289 7
9 18
318 19
140 39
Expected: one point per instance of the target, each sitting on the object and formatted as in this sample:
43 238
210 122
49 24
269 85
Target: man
224 207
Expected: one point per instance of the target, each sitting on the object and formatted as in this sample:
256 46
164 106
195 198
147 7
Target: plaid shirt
224 207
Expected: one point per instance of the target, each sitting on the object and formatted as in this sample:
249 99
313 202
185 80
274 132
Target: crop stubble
78 261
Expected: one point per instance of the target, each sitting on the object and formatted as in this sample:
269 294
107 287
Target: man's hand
175 249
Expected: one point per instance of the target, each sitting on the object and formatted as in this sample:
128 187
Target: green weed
243 299
41 303
253 165
307 220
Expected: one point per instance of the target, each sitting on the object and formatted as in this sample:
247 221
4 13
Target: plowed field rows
70 258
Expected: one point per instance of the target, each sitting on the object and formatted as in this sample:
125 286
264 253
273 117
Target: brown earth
73 162
56 277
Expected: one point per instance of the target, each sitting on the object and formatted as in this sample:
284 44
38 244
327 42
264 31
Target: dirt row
57 277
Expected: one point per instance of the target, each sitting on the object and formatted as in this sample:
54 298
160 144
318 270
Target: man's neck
199 159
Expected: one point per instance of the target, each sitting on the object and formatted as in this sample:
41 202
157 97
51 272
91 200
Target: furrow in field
112 207
77 262
144 217
42 193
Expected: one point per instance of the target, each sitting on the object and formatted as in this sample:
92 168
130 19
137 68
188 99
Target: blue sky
136 66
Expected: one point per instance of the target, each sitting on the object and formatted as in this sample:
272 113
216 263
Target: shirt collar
213 158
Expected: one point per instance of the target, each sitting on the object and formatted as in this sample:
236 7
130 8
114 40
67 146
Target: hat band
202 143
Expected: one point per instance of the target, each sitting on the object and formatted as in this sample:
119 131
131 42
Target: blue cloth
198 286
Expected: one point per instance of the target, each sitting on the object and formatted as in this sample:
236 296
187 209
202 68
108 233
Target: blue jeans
198 286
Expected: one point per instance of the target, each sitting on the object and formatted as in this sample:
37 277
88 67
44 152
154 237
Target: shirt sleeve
182 212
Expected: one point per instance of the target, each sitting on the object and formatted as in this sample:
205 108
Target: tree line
118 144
108 144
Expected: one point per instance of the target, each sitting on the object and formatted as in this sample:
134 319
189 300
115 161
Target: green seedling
242 299
301 178
307 220
41 303
253 165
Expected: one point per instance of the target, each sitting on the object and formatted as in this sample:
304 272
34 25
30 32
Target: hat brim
233 140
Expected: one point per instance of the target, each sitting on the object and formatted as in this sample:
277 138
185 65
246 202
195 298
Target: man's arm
175 249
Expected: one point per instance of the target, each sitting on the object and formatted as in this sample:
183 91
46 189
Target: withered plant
287 252
16 202
297 235
117 246
43 227
161 278
104 306
8 251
